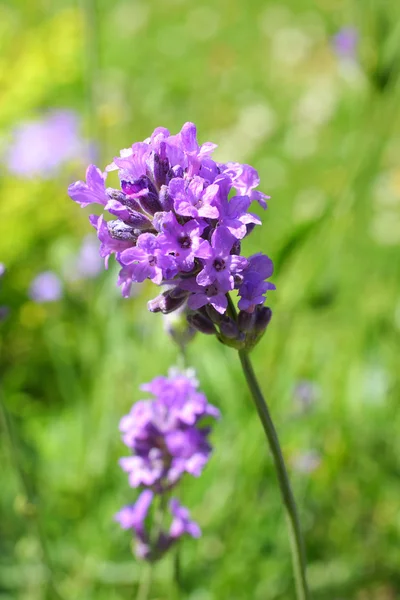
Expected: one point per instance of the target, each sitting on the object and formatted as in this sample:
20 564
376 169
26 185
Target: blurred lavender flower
167 439
307 462
86 264
345 42
40 147
305 394
46 287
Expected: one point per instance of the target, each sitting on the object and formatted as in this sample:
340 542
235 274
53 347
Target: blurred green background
269 84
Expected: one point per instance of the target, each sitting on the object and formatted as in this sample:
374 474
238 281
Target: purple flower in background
165 434
345 42
46 287
88 261
167 439
178 219
307 462
40 147
305 394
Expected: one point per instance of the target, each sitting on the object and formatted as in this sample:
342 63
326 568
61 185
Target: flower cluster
178 219
167 440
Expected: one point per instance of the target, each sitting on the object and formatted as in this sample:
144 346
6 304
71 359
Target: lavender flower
345 42
46 287
181 217
167 439
40 147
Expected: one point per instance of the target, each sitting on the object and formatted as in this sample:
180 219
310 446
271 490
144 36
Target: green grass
261 80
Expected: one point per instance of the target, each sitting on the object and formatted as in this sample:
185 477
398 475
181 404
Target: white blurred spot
130 17
203 23
309 205
300 142
274 18
385 228
172 41
256 123
318 103
273 172
290 46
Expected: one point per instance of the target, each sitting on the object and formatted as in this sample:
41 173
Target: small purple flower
184 242
245 179
109 244
345 42
192 199
46 287
219 265
93 191
202 295
182 524
254 287
148 260
40 147
133 516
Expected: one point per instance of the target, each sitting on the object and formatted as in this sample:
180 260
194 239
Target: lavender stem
145 582
296 539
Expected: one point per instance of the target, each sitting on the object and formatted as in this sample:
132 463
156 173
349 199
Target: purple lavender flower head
345 42
165 434
46 287
179 219
40 147
168 437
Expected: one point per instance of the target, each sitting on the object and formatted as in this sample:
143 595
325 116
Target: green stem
145 582
296 540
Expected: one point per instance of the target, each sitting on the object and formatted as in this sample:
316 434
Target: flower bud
165 199
229 328
121 231
165 304
263 317
122 198
202 323
158 166
139 221
246 320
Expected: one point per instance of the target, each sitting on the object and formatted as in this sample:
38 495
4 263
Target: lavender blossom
46 287
40 147
179 223
345 43
167 439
